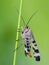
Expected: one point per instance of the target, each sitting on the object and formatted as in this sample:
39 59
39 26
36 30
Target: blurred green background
8 26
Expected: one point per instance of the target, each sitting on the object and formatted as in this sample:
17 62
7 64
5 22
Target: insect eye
22 32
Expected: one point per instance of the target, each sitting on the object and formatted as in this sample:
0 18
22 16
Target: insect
27 36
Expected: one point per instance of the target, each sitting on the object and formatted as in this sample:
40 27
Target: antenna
31 17
21 16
